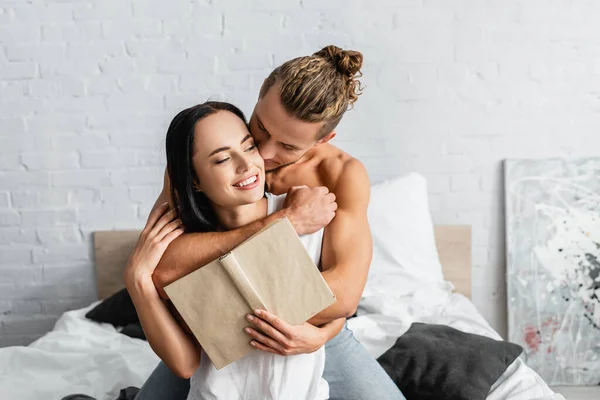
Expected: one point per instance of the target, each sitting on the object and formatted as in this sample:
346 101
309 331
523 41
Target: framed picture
553 266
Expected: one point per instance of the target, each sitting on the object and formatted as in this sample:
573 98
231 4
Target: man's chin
275 168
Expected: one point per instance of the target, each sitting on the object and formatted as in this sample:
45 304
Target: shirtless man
299 106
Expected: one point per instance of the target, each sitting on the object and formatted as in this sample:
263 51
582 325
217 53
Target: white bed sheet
77 356
81 356
384 317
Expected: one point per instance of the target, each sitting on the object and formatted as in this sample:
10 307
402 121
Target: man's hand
309 209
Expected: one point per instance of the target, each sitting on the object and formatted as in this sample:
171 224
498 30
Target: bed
81 356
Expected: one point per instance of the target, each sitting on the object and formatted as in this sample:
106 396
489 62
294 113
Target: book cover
271 270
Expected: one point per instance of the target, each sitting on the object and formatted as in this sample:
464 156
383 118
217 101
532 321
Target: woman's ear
197 187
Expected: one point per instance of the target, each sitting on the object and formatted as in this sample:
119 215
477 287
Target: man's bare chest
279 183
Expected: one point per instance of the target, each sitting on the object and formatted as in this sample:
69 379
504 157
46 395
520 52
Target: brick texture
452 87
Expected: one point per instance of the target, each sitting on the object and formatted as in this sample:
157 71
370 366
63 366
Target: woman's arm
175 347
278 337
332 328
165 336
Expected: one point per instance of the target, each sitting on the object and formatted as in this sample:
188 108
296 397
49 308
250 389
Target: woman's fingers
168 228
155 216
265 340
164 220
172 236
267 329
262 347
274 321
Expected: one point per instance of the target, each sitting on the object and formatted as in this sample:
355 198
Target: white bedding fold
382 319
81 356
78 356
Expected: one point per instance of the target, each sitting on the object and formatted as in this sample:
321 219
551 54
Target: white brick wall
87 90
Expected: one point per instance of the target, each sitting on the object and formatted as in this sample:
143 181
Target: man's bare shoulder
338 169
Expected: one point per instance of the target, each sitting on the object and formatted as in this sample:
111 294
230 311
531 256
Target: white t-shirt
261 375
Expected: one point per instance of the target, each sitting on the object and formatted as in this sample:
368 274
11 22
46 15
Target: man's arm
308 210
347 243
193 250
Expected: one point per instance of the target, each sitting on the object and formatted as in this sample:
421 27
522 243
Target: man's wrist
289 214
284 212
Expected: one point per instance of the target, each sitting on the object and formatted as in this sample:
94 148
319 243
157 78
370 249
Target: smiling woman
213 165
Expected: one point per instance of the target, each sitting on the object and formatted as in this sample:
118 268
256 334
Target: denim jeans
350 370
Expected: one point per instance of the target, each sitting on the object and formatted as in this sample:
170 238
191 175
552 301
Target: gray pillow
439 362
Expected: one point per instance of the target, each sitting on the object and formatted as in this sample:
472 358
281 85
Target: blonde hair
318 88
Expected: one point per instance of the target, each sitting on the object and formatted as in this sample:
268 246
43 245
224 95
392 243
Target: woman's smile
248 183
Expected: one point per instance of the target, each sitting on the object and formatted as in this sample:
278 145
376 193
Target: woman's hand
160 230
278 337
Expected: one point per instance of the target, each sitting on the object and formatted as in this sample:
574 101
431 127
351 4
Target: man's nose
267 149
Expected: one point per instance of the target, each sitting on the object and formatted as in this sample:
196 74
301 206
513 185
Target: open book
271 270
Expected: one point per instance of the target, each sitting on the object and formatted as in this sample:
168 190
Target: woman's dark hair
193 207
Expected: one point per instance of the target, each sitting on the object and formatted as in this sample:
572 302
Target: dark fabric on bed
134 330
117 310
128 393
439 362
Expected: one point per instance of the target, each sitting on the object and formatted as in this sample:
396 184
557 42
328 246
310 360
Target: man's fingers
330 198
295 188
331 217
155 216
322 190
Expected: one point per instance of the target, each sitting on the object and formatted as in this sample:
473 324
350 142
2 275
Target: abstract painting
553 266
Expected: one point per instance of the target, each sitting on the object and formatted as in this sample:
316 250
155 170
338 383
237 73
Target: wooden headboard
454 248
112 249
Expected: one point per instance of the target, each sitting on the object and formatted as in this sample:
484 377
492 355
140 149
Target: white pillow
405 257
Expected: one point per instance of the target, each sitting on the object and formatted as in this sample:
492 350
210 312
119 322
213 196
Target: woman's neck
234 217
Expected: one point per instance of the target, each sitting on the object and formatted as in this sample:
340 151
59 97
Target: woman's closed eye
222 160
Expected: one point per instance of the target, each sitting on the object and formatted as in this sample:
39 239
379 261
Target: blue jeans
350 370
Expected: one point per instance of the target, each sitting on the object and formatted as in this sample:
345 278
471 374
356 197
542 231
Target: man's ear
327 138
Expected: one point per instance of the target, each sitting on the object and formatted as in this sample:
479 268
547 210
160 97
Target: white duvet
80 356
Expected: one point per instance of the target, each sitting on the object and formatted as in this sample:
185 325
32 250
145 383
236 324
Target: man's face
281 138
